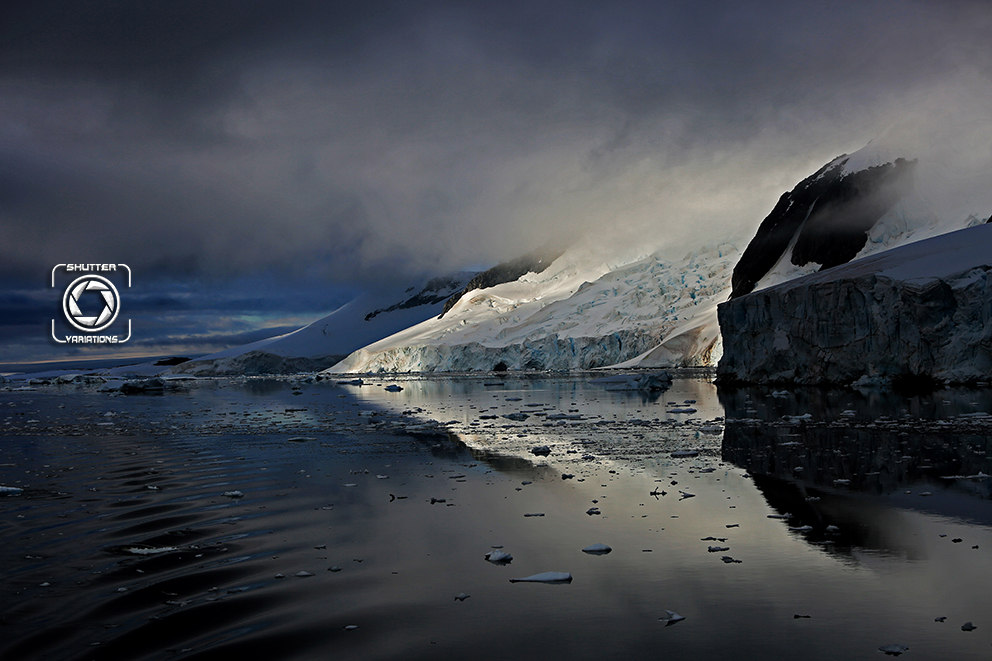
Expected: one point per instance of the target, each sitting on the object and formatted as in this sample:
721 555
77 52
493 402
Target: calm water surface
363 513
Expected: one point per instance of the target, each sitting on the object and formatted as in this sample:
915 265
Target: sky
258 163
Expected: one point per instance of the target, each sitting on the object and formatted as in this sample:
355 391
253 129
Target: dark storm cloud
330 142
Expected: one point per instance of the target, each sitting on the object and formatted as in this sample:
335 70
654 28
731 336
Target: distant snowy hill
578 313
328 340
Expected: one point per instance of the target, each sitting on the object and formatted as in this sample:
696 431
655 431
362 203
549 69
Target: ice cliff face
922 311
576 313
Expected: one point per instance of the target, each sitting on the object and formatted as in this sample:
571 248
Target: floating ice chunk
968 626
780 516
145 550
461 596
597 549
680 454
534 514
393 388
351 627
545 577
233 494
686 494
727 559
303 574
671 617
717 549
800 528
893 650
10 491
593 510
499 558
540 450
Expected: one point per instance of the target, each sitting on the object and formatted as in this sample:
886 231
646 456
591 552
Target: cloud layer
345 143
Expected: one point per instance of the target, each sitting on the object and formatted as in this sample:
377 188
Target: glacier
921 312
578 313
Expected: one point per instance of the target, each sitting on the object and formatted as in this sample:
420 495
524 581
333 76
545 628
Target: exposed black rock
435 291
828 214
533 262
169 362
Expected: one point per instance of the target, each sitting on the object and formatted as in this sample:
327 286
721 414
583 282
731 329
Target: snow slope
579 313
327 340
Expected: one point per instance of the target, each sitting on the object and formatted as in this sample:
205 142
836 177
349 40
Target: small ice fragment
832 529
593 510
940 619
678 454
233 494
968 626
717 549
893 650
727 559
280 576
545 577
145 550
10 491
534 514
499 557
686 494
350 484
780 516
461 596
303 574
393 388
800 528
540 450
597 549
671 617
382 477
335 568
351 627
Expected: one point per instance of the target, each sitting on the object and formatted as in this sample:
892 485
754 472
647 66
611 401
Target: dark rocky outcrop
254 363
435 291
828 215
533 262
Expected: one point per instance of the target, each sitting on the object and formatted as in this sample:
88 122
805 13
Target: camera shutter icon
81 286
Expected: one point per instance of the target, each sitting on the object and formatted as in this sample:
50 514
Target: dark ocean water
356 526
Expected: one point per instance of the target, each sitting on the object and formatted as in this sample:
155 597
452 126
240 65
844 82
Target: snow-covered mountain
854 206
586 306
578 313
328 340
